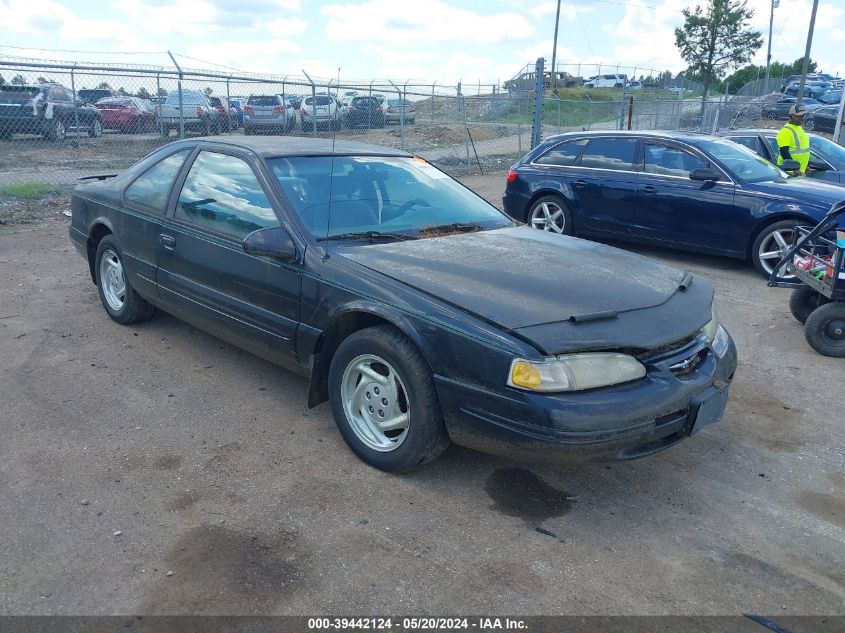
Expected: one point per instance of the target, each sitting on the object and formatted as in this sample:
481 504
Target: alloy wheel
772 249
548 216
375 402
112 280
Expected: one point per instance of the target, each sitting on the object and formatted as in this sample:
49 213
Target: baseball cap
797 110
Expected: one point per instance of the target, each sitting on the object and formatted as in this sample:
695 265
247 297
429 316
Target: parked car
635 85
237 104
226 112
779 110
320 110
293 101
525 82
268 113
93 95
822 119
364 111
127 114
831 97
607 81
46 109
417 309
199 117
812 90
827 159
679 189
395 110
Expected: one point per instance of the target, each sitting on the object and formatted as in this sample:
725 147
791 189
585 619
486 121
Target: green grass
29 190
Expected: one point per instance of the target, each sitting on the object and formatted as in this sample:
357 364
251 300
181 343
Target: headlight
711 328
574 372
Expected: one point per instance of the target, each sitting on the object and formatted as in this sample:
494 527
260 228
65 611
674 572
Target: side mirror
273 242
817 165
704 174
791 165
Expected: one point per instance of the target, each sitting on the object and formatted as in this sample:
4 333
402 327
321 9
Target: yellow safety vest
796 139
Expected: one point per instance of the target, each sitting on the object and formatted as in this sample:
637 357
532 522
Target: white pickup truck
199 115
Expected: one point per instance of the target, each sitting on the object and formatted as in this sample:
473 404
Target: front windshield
356 194
828 148
743 163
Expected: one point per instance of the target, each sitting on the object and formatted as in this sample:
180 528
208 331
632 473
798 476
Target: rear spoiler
100 177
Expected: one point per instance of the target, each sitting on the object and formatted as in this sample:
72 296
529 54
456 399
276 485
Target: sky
422 40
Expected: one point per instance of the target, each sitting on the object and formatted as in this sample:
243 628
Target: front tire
119 298
96 130
803 301
550 213
825 330
771 244
384 401
59 131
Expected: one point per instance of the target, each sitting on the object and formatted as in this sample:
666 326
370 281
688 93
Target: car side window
773 143
57 94
669 161
152 188
610 153
751 142
564 154
222 194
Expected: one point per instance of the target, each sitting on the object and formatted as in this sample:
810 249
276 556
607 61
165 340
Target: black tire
59 131
135 308
426 435
803 301
825 330
96 130
809 125
769 114
247 131
206 127
567 227
764 236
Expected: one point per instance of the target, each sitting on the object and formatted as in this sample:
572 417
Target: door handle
579 183
649 189
167 241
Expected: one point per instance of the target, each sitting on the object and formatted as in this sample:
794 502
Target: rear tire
803 301
378 375
96 130
825 330
119 298
550 213
59 131
767 248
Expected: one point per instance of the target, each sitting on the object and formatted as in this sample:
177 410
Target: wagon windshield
405 197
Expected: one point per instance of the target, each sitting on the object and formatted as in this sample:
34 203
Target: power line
64 50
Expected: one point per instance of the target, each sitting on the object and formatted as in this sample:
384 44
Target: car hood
803 190
559 293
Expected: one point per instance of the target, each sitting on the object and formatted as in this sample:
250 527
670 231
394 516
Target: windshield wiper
368 235
455 227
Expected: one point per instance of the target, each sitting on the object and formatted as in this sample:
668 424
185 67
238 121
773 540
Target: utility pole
769 52
554 48
807 53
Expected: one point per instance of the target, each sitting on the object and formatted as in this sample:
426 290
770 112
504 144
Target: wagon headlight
712 327
574 372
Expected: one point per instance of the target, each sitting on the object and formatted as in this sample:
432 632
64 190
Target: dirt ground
132 452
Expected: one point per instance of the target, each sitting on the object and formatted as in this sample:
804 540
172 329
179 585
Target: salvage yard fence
458 127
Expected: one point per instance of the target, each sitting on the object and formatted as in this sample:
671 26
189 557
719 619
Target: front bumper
25 124
612 423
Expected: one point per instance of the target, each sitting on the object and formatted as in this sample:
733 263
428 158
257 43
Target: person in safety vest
793 141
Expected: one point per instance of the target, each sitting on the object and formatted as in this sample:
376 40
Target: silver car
268 113
322 110
395 110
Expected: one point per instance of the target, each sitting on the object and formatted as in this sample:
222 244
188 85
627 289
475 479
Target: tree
18 80
717 38
104 86
122 92
208 90
41 80
142 93
161 92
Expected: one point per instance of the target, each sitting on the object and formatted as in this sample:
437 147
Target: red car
226 111
127 114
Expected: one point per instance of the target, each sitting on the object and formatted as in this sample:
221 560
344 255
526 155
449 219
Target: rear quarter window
152 188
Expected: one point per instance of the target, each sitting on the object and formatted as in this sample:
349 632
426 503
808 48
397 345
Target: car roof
277 147
764 131
668 134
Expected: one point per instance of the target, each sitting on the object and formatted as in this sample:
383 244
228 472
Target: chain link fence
62 121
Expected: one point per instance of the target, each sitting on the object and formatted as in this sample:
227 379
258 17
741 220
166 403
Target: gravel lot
131 452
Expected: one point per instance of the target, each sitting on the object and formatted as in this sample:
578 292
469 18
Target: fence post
519 125
558 115
432 101
313 103
622 109
75 109
537 124
179 89
401 116
680 108
228 105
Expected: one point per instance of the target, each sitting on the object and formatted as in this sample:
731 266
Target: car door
674 209
145 202
62 106
604 185
754 143
205 276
